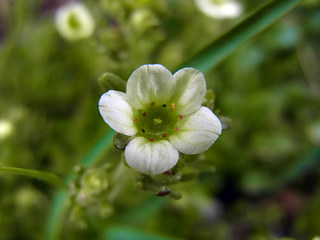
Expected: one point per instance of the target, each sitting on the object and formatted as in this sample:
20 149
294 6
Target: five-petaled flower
74 21
164 115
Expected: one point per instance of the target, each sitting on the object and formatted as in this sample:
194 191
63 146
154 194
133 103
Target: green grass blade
220 48
45 176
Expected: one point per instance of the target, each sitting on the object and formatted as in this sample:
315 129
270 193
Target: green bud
110 81
93 182
208 100
175 195
226 123
143 19
105 209
120 141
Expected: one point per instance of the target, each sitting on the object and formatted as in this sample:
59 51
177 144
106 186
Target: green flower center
73 21
157 122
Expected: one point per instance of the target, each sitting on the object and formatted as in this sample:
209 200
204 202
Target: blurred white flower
164 115
6 128
74 21
219 9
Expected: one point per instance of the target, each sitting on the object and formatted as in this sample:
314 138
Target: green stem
45 176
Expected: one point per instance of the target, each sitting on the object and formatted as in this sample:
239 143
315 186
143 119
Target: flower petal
198 132
117 113
150 83
151 157
226 9
190 90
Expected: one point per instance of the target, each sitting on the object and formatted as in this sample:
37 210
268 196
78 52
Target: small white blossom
163 113
74 21
219 9
6 128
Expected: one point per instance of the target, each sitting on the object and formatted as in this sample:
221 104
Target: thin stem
42 175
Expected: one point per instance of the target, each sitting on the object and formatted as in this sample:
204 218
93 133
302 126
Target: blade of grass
44 176
221 47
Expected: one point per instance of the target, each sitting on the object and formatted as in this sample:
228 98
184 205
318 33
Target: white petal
198 132
190 90
151 157
226 9
117 113
150 83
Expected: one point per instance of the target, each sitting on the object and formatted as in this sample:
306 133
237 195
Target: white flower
219 8
6 128
164 114
74 21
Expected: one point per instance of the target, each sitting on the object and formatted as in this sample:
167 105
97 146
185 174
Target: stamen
152 104
151 139
143 130
144 114
173 106
180 116
164 135
164 105
168 173
135 120
176 129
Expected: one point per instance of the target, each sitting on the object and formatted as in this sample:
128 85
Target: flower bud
110 81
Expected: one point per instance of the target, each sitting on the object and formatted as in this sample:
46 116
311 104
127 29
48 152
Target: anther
143 130
180 116
151 139
144 114
168 173
173 106
164 105
176 129
164 135
135 120
152 104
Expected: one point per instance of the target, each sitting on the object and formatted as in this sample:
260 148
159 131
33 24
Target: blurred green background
266 179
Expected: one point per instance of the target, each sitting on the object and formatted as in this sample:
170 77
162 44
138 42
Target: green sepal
110 81
120 141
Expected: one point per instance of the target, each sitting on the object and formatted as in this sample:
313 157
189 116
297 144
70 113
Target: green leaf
221 47
45 176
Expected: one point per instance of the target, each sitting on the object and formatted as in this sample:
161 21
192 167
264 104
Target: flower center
73 21
157 122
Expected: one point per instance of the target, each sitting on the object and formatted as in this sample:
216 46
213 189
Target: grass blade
45 176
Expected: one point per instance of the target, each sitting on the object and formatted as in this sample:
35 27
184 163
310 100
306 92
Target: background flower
220 9
74 21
